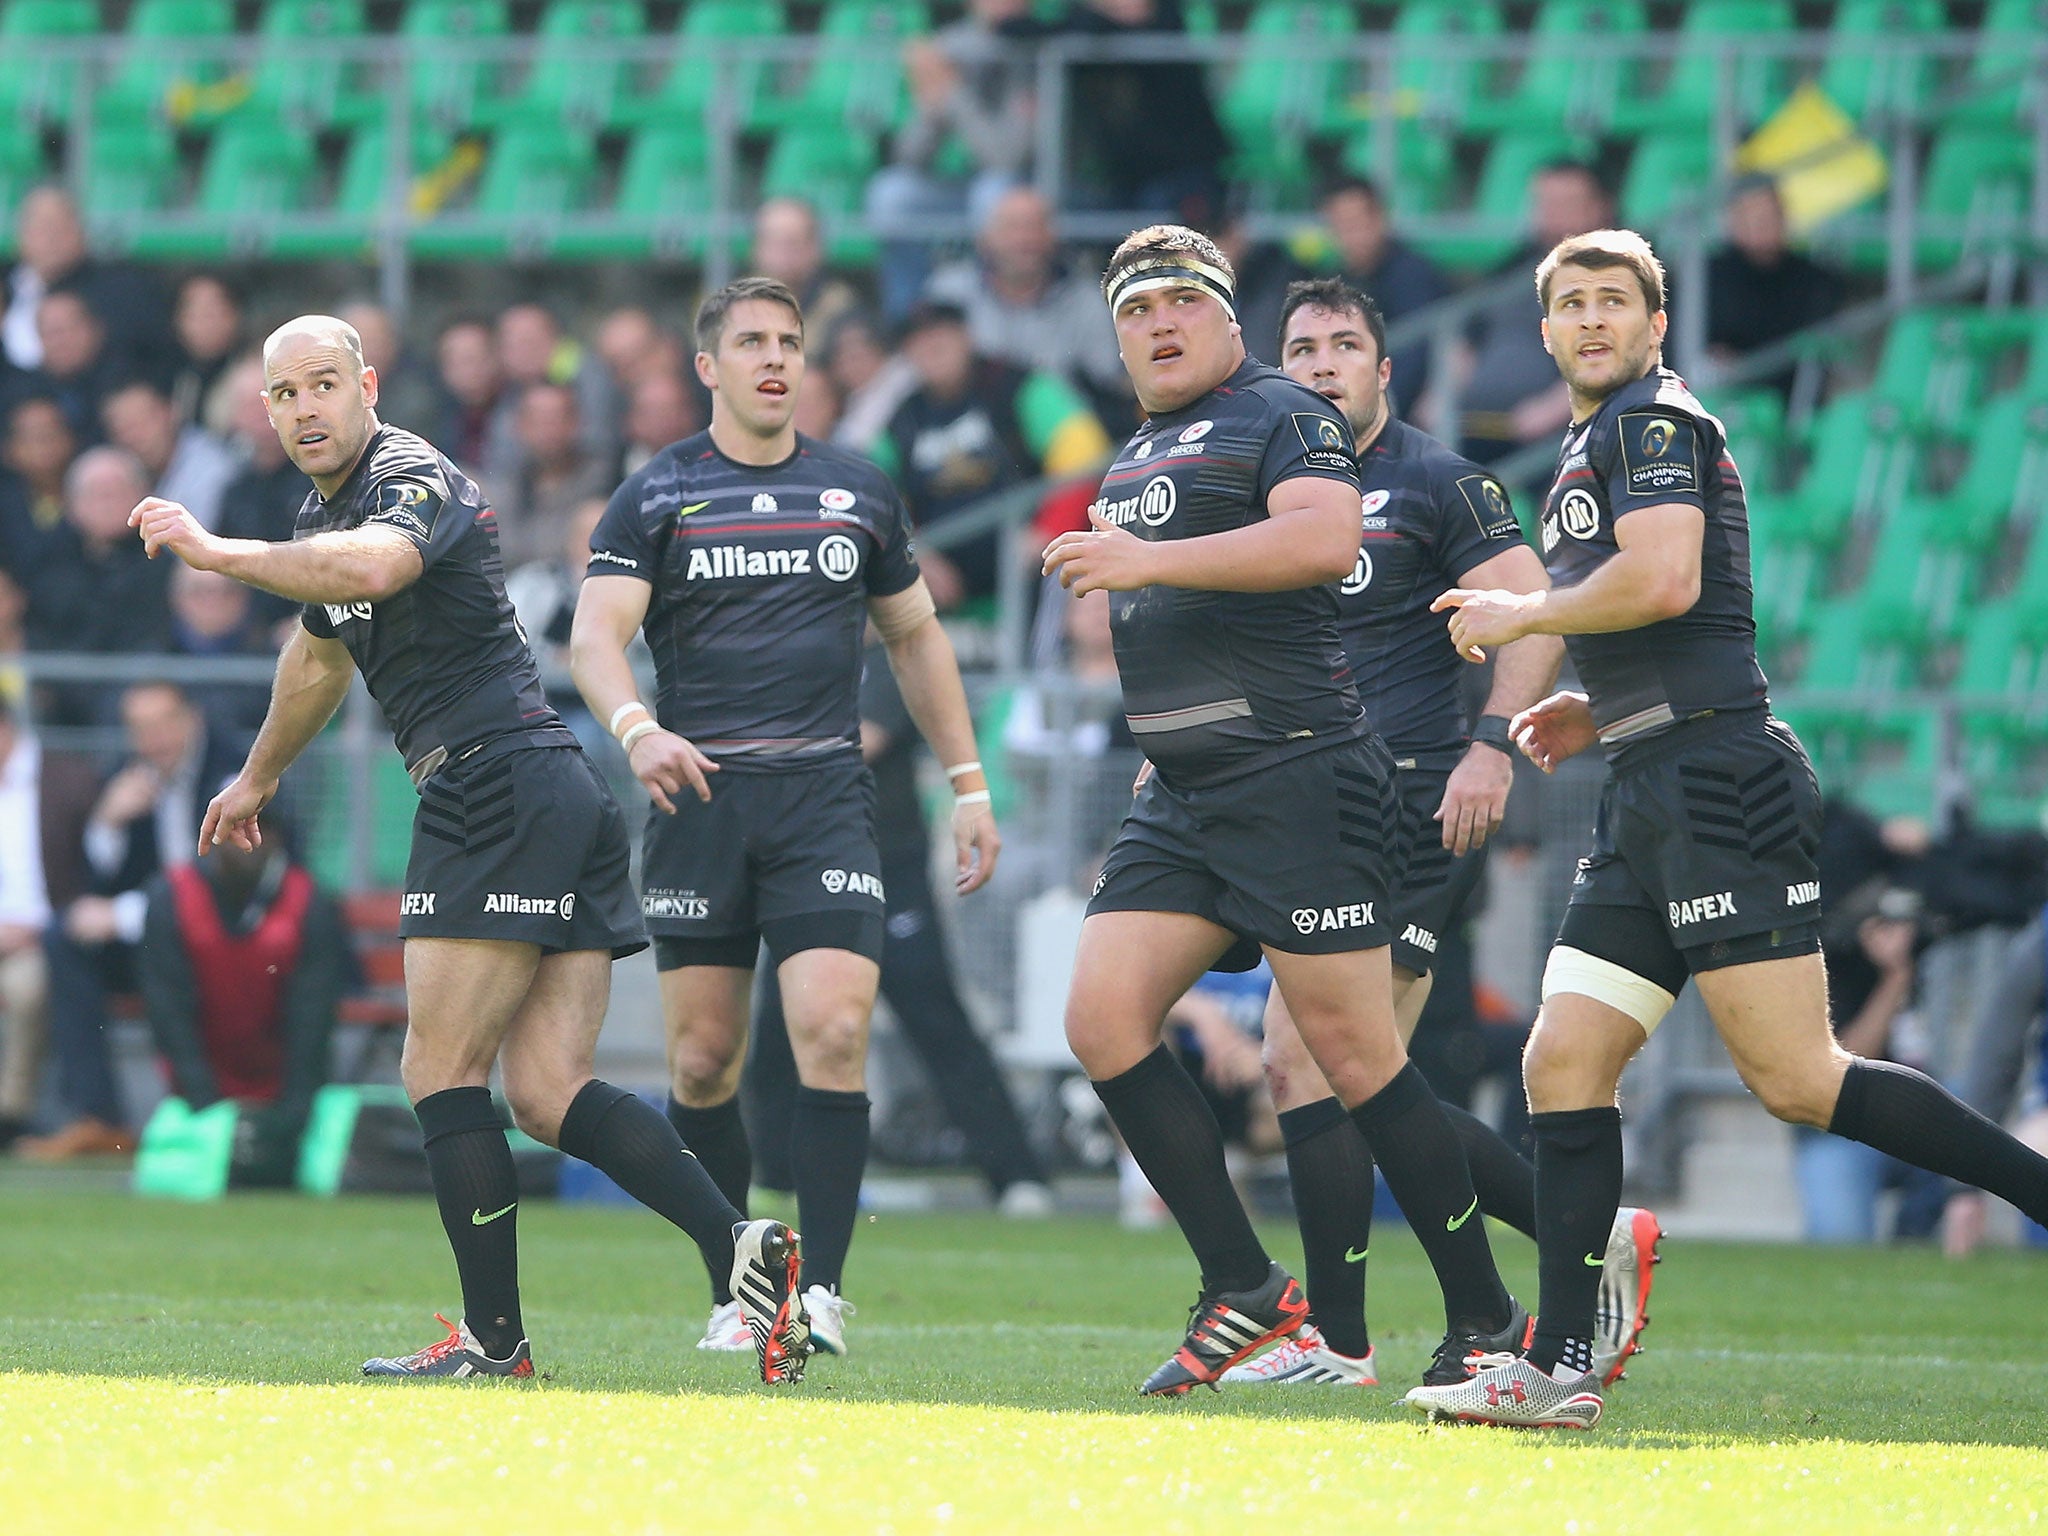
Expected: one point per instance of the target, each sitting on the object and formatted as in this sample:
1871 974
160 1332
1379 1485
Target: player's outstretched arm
312 679
928 673
358 565
1309 536
609 612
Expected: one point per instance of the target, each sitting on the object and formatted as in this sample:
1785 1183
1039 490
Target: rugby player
753 559
1222 530
517 894
1433 521
1702 862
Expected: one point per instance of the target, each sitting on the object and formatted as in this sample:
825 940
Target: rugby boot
457 1355
1225 1327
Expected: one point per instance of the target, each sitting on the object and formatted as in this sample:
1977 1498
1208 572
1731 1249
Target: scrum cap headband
1175 271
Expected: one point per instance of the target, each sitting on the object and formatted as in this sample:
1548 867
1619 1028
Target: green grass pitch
193 1369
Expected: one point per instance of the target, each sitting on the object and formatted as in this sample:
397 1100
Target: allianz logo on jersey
1151 506
836 556
341 613
563 907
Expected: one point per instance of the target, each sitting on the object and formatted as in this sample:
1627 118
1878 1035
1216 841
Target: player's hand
1559 727
1144 776
1104 559
976 842
1480 619
1475 798
167 525
665 762
132 792
231 815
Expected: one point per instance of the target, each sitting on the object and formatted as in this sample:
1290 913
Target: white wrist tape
644 728
972 797
622 711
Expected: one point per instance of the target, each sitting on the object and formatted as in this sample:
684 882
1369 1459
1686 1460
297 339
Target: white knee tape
1573 970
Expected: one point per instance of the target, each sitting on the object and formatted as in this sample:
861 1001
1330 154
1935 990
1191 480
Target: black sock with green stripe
1417 1148
477 1189
1330 1168
1578 1190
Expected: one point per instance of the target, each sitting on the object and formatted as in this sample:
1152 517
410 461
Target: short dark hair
1364 186
717 307
1168 241
1599 250
1338 297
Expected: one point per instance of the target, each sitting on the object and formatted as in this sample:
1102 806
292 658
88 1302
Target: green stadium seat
2002 85
571 80
24 163
1851 471
450 80
1865 78
1288 84
1692 91
1431 83
1921 576
663 204
366 166
131 173
1501 201
1754 420
173 63
298 78
2004 486
1975 193
685 92
1668 172
1563 80
1425 178
34 87
256 166
2002 670
857 78
1931 369
536 175
829 168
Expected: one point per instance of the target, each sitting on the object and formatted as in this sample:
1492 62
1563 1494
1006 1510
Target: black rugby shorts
1431 885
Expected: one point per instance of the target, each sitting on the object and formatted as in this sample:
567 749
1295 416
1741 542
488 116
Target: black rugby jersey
446 658
1218 684
1650 443
1430 517
761 576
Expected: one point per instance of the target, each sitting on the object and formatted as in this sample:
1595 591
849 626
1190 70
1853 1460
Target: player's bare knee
1561 1070
1800 1092
832 1049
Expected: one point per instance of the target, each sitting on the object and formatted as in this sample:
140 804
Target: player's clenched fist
665 762
1104 559
168 525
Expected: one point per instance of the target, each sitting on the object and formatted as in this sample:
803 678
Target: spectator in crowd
242 967
789 248
405 394
263 500
471 386
872 381
533 350
95 588
24 914
208 321
1146 131
968 140
212 615
976 425
13 640
662 411
185 462
1759 290
1510 393
78 371
34 455
543 594
634 349
1400 278
817 408
554 472
2009 1021
1028 307
1263 272
144 821
53 258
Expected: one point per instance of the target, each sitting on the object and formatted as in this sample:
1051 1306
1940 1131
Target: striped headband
1175 272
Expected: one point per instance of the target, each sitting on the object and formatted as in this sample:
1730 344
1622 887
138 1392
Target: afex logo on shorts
417 904
837 880
1329 919
1698 909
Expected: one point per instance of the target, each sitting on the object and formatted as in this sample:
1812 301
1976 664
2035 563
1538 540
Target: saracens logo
836 499
838 556
1372 501
1357 914
1197 432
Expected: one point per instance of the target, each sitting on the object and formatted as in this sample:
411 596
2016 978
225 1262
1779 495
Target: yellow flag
1822 165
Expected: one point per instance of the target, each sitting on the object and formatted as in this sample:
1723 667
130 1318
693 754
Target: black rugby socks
1578 1190
634 1145
1412 1140
1913 1118
1330 1169
1504 1180
477 1189
718 1137
1173 1134
828 1152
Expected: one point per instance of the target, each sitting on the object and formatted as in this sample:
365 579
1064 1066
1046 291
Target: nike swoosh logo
1354 1255
695 506
1595 1260
479 1219
1458 1221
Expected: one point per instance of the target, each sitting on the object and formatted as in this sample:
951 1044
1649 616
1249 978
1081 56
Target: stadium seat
1754 420
663 205
1931 370
829 167
298 78
132 169
173 61
2005 485
1500 204
536 175
35 87
685 92
857 77
1851 471
2002 83
1668 172
24 162
1425 172
1975 193
1432 83
573 81
1868 79
449 78
1288 85
366 168
1709 30
1563 80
